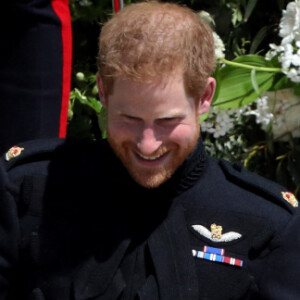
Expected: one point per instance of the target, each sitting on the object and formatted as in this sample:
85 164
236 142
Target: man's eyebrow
172 114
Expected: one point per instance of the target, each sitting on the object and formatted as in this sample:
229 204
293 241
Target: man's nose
148 141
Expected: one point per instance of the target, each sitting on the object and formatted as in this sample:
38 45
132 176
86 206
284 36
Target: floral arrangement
250 78
259 95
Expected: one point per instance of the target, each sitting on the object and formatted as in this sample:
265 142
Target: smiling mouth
157 157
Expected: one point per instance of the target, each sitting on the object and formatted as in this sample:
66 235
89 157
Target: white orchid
219 47
281 115
221 121
206 17
290 23
262 112
282 109
289 50
275 49
293 74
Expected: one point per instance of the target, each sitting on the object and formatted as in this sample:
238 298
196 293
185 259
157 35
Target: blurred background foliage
246 27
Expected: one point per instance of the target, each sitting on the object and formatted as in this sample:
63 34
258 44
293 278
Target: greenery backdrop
242 125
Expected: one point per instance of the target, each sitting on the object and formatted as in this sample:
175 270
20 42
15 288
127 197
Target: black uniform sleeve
281 278
9 234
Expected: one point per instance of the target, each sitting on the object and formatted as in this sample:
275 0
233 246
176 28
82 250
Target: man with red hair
145 214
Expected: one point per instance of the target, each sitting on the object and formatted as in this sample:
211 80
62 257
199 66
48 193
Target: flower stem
235 64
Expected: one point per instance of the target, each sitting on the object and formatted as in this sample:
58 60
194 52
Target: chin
146 176
151 181
151 177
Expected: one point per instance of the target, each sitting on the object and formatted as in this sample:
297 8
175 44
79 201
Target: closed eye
169 121
130 118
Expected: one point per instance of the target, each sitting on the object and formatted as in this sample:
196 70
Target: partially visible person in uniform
35 69
145 214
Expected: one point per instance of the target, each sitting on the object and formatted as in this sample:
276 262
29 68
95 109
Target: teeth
149 158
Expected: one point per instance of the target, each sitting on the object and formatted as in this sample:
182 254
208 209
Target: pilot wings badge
215 233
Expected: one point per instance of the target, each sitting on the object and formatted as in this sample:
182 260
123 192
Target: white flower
206 17
275 49
290 23
285 107
296 60
289 50
219 47
286 57
208 127
290 61
219 122
262 112
219 131
287 123
293 74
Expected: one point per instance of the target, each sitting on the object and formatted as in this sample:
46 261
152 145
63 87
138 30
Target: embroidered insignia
218 258
216 234
13 152
290 198
216 231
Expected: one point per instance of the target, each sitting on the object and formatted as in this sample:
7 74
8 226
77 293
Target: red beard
172 156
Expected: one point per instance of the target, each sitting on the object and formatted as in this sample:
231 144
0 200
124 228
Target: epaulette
29 151
259 185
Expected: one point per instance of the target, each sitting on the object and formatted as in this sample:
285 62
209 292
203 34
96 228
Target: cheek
183 134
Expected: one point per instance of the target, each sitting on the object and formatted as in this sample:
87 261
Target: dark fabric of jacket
35 69
74 225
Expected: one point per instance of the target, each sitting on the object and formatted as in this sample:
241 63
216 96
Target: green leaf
281 82
102 121
262 33
95 104
216 75
237 87
203 117
254 82
249 9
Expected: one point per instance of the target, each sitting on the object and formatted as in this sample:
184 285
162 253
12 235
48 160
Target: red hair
150 40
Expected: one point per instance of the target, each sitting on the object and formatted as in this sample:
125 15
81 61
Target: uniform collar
190 171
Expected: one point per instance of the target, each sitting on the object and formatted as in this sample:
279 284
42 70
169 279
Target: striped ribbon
218 251
217 255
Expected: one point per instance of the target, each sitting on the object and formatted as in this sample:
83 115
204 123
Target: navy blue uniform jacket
74 225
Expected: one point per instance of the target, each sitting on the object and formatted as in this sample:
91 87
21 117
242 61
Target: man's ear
101 90
206 99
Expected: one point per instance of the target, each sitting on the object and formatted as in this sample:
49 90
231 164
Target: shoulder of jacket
47 149
259 185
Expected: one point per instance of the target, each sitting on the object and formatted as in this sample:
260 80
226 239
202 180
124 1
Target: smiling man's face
153 128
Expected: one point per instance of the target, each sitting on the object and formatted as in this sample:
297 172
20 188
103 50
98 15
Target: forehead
162 83
157 87
160 96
